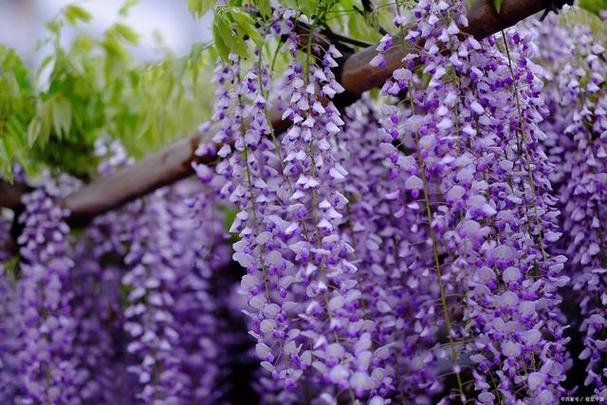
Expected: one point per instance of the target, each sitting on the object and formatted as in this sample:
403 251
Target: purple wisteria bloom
46 369
9 326
577 141
301 284
480 174
170 316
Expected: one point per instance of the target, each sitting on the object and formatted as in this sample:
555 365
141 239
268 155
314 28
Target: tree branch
355 75
358 76
10 195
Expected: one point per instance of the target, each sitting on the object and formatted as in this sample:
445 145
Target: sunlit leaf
198 8
126 7
594 6
498 5
126 33
62 117
246 24
74 13
264 7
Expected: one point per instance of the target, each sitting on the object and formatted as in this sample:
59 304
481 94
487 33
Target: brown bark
356 76
10 195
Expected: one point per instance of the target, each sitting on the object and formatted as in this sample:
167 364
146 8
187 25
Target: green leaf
62 117
126 33
198 8
213 53
309 7
74 13
594 6
91 86
11 267
226 35
222 48
498 5
264 7
33 131
246 24
53 26
17 107
126 7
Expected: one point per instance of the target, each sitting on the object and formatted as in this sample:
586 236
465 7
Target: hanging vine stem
317 235
267 113
443 294
524 144
271 127
245 154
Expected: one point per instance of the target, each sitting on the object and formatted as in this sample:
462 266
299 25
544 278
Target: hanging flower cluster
101 376
393 258
46 367
95 285
479 176
303 297
577 139
8 324
66 337
170 316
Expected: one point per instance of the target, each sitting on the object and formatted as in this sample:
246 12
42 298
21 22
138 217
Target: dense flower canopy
442 241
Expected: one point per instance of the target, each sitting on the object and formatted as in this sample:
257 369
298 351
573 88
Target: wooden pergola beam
483 21
10 195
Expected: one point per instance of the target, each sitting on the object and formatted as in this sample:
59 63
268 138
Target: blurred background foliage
590 17
51 116
594 6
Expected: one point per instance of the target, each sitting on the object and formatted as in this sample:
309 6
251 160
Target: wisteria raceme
333 325
437 158
171 315
8 337
577 136
95 284
533 274
38 304
101 376
392 257
85 280
304 302
148 318
8 325
202 347
474 131
46 369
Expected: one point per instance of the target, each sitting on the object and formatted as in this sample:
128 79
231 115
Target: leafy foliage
594 6
498 5
232 26
16 109
51 116
230 29
93 87
588 19
200 7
